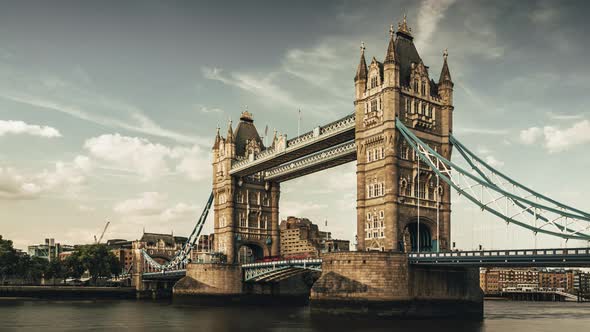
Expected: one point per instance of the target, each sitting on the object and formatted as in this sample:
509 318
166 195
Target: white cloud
561 116
20 127
134 153
429 15
149 160
262 86
556 139
86 208
205 109
147 204
141 123
179 211
530 135
492 161
64 178
481 131
153 206
193 162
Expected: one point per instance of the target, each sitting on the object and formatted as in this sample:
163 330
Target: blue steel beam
574 257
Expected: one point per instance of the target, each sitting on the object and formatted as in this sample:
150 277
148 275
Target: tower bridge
401 137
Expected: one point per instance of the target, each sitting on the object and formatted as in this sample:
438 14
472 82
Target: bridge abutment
210 279
385 284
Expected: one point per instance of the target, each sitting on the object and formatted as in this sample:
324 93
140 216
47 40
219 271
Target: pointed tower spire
230 133
403 29
445 74
391 57
217 139
361 71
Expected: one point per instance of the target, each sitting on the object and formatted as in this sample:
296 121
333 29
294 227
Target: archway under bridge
249 253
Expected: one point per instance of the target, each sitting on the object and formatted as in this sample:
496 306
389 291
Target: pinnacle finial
403 26
445 53
391 31
362 47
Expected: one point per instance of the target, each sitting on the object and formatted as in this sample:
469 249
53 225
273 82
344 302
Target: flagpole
299 123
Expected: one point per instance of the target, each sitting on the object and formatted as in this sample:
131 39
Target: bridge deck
575 257
321 138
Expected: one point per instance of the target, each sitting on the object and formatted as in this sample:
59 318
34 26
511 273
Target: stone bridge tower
398 201
246 209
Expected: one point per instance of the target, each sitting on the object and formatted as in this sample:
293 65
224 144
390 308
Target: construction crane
103 231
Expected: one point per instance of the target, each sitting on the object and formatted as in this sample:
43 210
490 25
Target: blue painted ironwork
571 257
181 258
278 270
165 275
554 221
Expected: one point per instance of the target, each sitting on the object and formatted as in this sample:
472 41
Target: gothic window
374 105
242 217
373 82
265 200
381 215
376 190
416 86
424 88
369 216
382 153
424 109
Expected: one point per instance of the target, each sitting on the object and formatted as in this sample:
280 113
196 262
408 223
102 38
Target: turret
217 140
391 65
445 83
230 146
360 79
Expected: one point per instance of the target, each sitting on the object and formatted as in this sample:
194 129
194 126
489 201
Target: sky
108 109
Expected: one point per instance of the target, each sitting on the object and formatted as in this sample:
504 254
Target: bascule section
401 204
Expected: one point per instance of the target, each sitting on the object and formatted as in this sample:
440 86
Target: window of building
424 88
242 220
381 214
373 82
374 105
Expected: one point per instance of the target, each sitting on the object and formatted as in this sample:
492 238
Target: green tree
8 259
55 270
99 261
73 266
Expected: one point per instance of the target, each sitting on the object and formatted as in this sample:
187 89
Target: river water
40 315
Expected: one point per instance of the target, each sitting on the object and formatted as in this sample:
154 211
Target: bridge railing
318 134
284 262
511 252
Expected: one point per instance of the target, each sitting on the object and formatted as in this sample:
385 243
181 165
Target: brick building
302 238
557 279
493 280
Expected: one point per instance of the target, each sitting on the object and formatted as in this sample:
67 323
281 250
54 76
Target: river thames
39 315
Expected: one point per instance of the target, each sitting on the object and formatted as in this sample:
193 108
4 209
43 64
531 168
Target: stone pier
384 284
223 283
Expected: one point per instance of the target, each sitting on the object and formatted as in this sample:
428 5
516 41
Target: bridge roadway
278 270
321 139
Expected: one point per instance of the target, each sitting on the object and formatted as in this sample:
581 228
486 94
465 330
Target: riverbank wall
68 292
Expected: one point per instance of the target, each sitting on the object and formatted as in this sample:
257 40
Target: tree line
96 259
